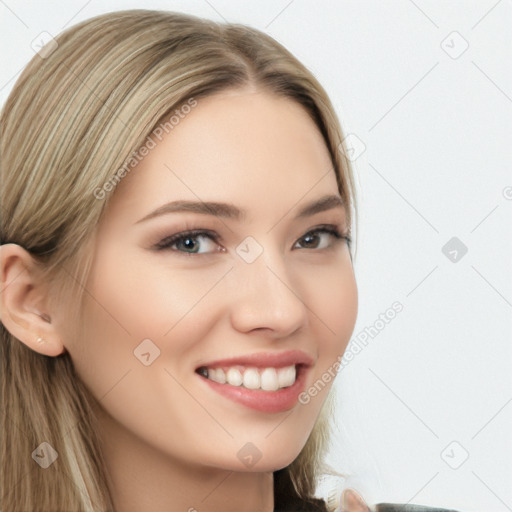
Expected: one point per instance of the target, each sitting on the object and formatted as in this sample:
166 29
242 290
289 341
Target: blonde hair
77 113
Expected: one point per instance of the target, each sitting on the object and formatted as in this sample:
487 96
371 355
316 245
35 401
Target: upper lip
265 360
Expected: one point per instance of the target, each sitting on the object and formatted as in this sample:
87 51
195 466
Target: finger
351 501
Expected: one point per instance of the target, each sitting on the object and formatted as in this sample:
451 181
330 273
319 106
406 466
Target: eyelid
168 241
192 233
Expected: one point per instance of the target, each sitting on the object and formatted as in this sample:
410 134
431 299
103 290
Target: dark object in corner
286 498
397 507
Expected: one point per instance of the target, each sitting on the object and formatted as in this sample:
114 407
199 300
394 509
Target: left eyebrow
320 205
226 210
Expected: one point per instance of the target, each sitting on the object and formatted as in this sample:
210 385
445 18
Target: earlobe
23 302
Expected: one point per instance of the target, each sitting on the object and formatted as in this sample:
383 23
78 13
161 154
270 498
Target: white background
436 129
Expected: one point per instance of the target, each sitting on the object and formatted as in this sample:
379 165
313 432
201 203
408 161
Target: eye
314 240
204 242
190 242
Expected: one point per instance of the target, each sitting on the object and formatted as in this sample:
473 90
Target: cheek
149 295
129 301
333 304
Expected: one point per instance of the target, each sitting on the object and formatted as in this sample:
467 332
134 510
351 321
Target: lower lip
263 401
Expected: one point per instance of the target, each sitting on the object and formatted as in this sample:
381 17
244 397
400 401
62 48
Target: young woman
176 271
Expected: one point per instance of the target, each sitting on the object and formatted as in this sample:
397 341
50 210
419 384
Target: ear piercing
40 340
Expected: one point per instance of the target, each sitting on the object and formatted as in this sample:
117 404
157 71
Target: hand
351 501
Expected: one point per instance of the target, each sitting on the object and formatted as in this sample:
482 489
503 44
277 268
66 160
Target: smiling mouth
250 377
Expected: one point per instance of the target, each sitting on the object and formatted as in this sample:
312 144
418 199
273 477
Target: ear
24 301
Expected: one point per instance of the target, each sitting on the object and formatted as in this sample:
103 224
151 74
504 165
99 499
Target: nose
265 297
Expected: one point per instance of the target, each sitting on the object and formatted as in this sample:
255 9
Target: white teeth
286 376
233 377
251 378
219 375
267 379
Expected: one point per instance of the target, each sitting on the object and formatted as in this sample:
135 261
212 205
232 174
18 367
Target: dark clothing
287 500
398 507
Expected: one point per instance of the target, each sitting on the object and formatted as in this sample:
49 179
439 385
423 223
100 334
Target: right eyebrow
231 211
204 207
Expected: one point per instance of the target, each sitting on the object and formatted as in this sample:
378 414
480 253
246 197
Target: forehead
247 147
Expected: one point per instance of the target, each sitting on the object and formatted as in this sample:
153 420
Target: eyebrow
231 211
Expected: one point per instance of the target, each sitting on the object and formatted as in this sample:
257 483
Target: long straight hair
73 124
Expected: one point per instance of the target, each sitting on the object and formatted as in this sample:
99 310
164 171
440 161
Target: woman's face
257 283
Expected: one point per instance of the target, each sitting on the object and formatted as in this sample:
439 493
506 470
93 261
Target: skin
170 441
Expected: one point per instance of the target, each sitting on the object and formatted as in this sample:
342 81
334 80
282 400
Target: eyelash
169 241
